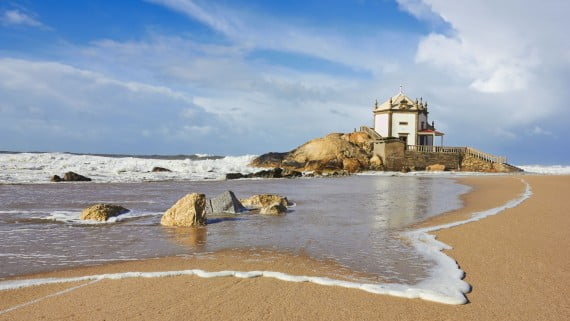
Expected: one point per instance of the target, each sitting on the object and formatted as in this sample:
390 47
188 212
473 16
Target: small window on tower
403 123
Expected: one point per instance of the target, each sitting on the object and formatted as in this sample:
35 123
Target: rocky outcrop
70 177
350 152
273 209
435 168
264 200
225 202
351 165
160 169
361 139
271 159
102 212
189 211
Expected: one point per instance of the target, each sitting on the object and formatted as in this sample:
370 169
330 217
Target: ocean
356 221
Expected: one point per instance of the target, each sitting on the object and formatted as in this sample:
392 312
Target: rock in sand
264 200
188 211
225 202
102 212
273 209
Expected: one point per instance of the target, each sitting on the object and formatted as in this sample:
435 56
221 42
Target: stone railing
485 156
461 150
436 149
371 132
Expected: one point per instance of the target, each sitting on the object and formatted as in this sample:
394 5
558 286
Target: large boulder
264 200
273 209
435 168
225 202
188 211
74 177
102 212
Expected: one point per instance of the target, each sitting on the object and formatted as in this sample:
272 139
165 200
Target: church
406 119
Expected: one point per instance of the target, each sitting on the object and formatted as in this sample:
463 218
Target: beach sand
517 263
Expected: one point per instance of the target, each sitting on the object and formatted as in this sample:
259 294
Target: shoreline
477 199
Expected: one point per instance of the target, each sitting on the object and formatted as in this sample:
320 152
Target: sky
248 77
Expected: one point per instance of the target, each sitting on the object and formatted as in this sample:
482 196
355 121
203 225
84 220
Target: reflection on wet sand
194 237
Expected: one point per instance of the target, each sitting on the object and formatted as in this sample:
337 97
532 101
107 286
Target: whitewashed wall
409 129
381 124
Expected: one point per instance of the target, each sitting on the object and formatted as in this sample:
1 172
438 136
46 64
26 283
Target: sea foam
445 284
543 169
21 168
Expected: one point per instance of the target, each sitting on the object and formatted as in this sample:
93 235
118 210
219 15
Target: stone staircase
371 132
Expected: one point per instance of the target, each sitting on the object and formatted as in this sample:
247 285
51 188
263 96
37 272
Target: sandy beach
517 263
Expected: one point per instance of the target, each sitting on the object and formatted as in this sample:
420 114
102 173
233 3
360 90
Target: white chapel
407 119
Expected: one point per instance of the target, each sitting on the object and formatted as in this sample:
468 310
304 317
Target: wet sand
517 263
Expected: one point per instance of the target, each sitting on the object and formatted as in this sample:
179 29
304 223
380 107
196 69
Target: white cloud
18 18
497 46
61 104
419 9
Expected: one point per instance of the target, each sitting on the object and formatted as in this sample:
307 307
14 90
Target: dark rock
270 173
74 177
225 202
234 175
269 160
289 173
56 178
287 163
160 169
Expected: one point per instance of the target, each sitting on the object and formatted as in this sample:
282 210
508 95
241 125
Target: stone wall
392 153
418 161
396 158
471 163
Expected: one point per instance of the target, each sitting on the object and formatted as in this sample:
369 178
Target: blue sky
247 77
